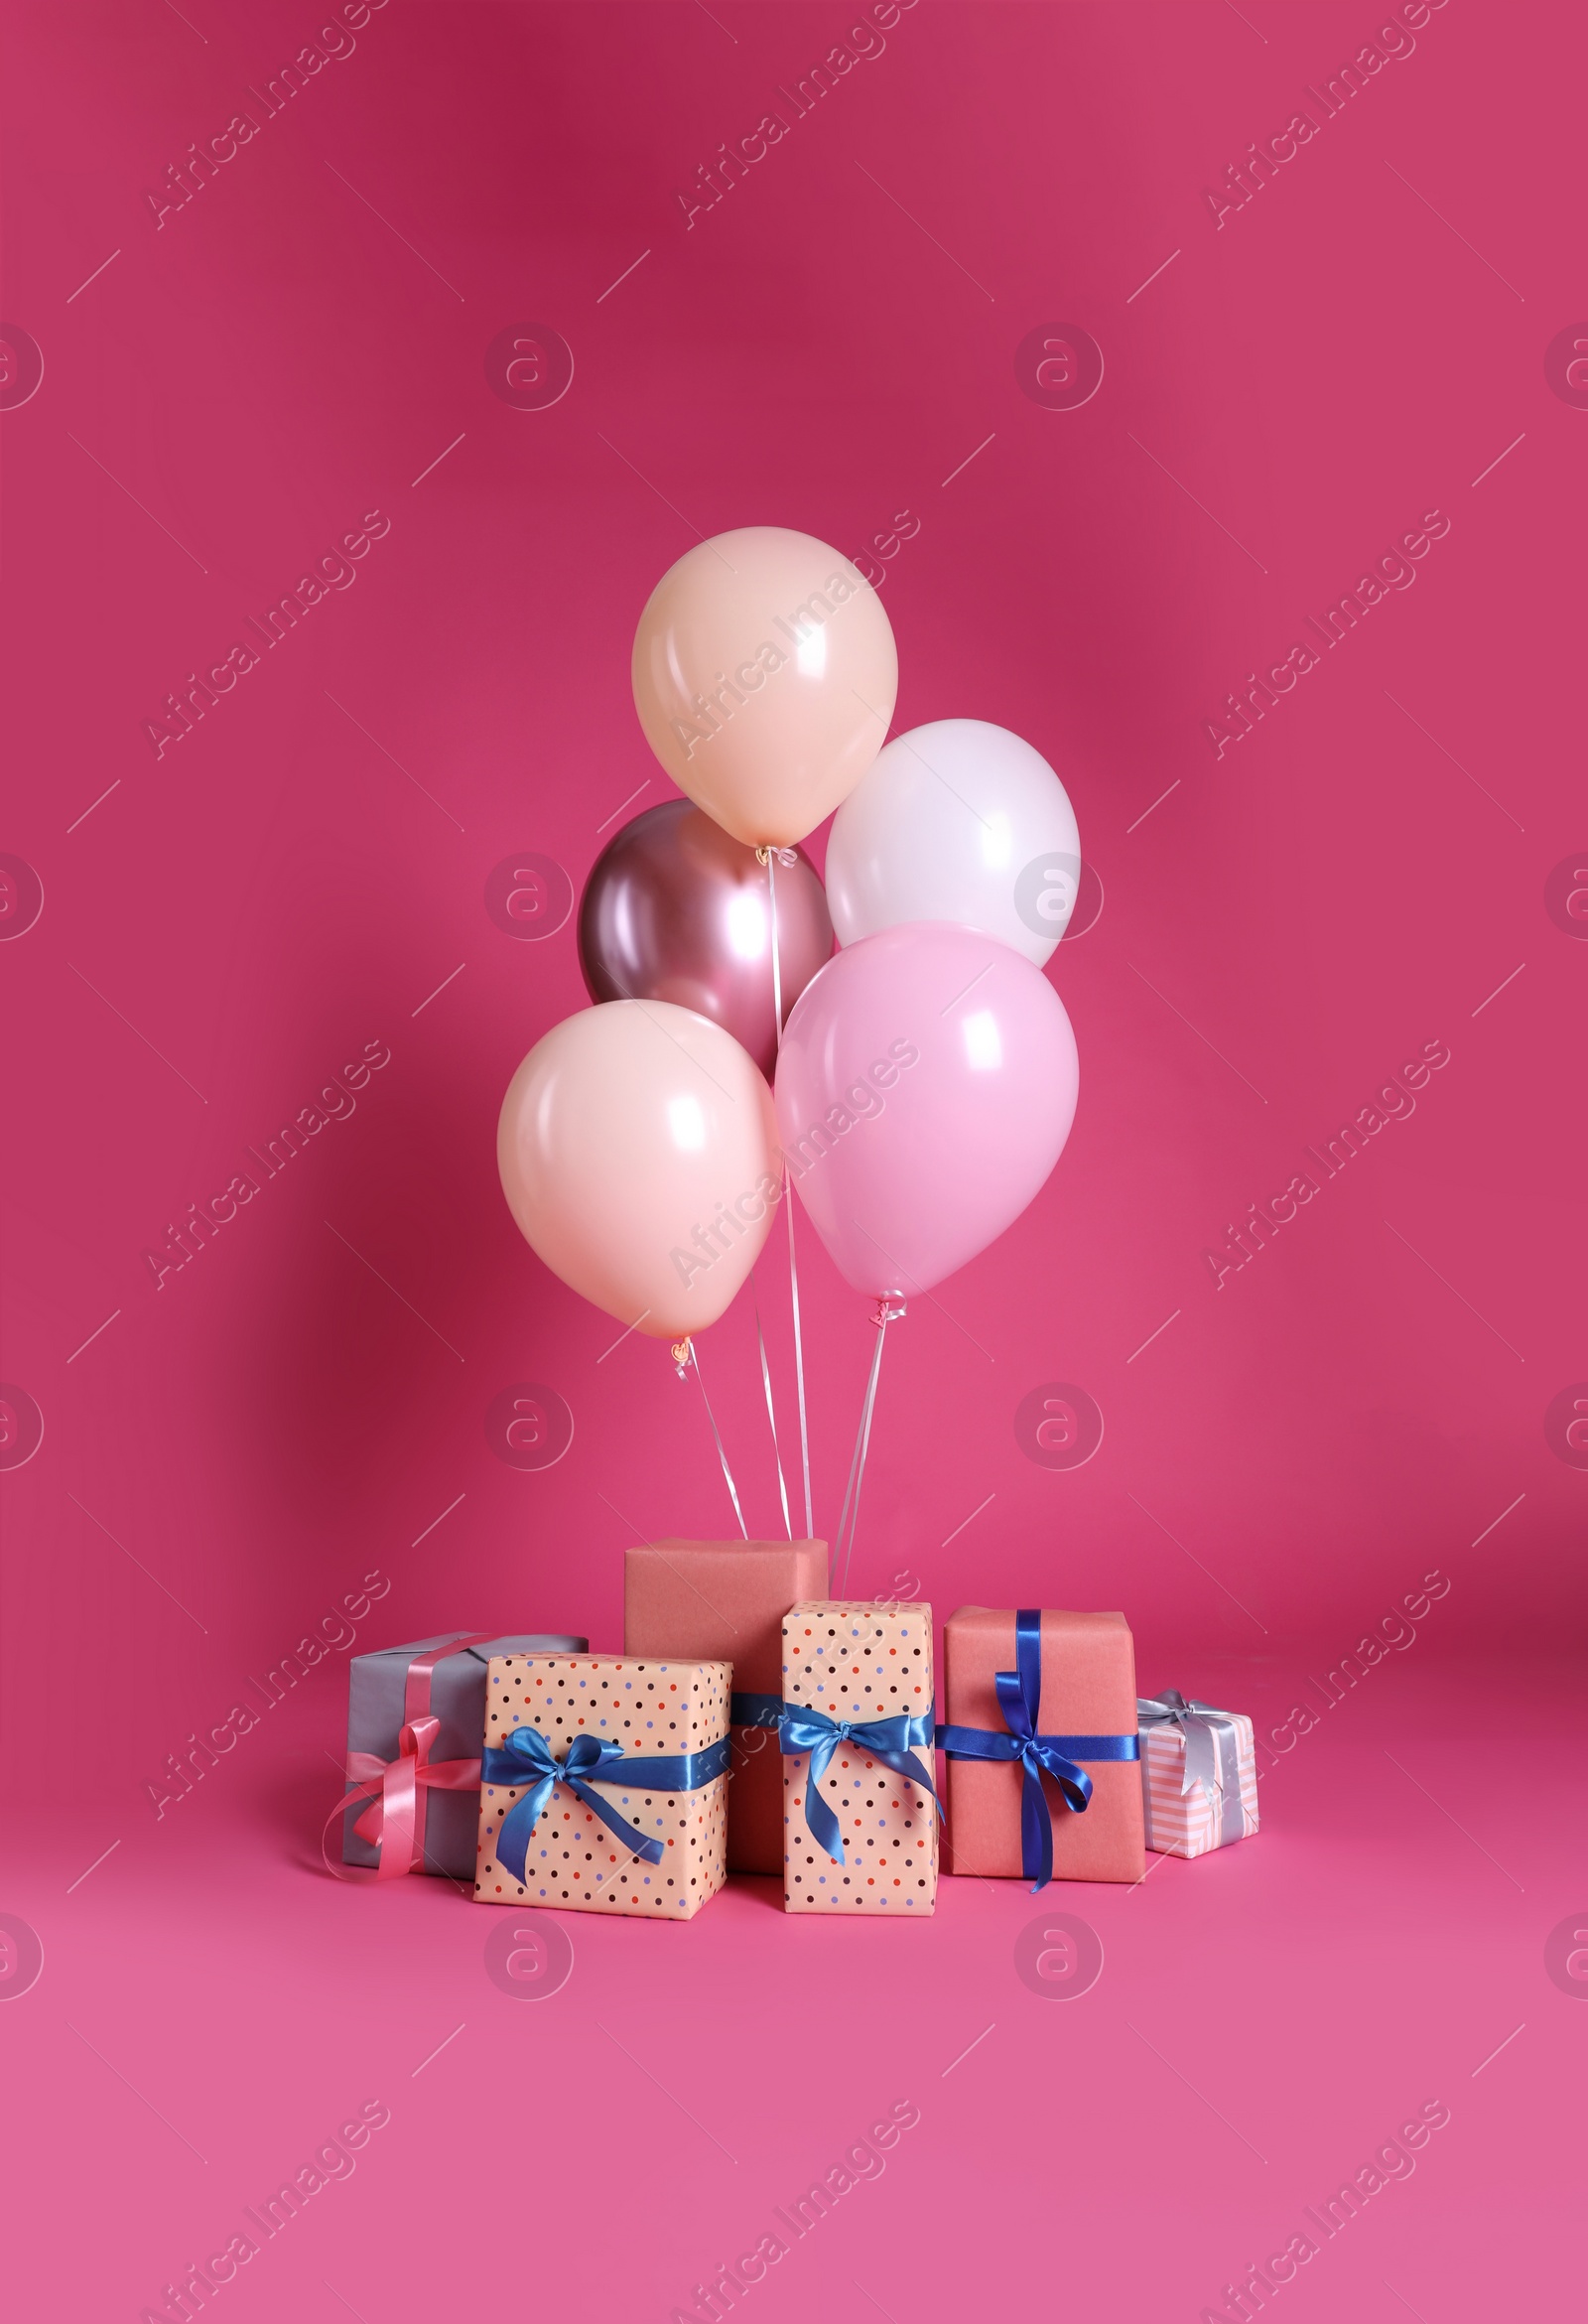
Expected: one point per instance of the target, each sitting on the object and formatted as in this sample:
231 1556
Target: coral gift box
1068 1808
726 1601
603 1784
860 1807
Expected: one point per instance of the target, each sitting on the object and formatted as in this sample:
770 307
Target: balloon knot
890 1309
681 1351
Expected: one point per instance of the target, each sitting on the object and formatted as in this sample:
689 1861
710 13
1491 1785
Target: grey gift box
376 1685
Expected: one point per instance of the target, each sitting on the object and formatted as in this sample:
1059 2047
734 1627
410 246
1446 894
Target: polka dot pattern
655 1709
860 1662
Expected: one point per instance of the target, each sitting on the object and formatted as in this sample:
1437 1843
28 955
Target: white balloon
957 821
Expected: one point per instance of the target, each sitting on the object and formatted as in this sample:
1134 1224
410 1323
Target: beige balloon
636 1146
765 675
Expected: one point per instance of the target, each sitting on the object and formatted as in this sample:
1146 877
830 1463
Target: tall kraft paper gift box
1079 1673
725 1601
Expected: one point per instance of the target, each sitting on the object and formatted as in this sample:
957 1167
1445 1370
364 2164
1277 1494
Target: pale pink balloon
636 1151
764 676
925 1090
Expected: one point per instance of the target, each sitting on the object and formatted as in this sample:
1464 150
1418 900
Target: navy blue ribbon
755 1711
525 1757
889 1740
1020 1694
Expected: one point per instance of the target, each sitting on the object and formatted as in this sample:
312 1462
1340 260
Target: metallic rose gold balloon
677 910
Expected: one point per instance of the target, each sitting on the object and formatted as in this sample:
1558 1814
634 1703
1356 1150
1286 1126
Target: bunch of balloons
925 1075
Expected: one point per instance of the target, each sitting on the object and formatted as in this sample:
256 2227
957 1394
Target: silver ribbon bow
1211 1754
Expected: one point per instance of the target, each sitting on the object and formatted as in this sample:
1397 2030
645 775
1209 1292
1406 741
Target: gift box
1041 1739
725 1601
1199 1775
415 1718
603 1784
859 1806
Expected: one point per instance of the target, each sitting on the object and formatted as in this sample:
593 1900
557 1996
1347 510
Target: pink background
1284 395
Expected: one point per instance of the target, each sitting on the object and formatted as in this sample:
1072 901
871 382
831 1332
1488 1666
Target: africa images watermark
1244 180
884 544
808 652
1395 2159
1395 570
336 1103
183 2297
182 179
713 2299
1392 1103
863 1102
866 42
1395 1631
335 1632
335 571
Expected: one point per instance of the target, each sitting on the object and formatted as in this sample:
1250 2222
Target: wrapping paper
1088 1688
381 1699
575 1863
725 1601
1189 1822
859 1663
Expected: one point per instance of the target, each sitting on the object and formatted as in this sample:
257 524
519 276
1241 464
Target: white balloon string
799 1355
843 1513
886 1314
685 1353
766 1383
865 1447
777 966
772 858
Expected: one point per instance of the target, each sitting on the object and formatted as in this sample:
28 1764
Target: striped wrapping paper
1187 1825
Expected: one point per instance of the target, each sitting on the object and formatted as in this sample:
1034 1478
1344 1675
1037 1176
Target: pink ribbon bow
397 1788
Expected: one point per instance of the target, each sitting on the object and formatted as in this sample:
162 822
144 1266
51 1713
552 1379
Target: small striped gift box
1199 1775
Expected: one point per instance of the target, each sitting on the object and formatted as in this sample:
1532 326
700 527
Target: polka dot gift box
860 1810
604 1783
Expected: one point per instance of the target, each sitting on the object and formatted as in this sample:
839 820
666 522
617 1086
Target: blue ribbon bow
1020 1694
525 1757
889 1740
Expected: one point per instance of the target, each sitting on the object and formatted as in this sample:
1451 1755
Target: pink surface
1265 2020
365 1371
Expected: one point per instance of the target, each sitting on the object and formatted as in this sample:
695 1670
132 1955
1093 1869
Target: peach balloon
636 1151
764 676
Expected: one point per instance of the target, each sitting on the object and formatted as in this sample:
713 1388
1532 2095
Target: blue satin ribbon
889 1740
1020 1694
525 1757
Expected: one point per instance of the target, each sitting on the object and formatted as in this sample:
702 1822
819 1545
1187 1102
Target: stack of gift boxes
754 1724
